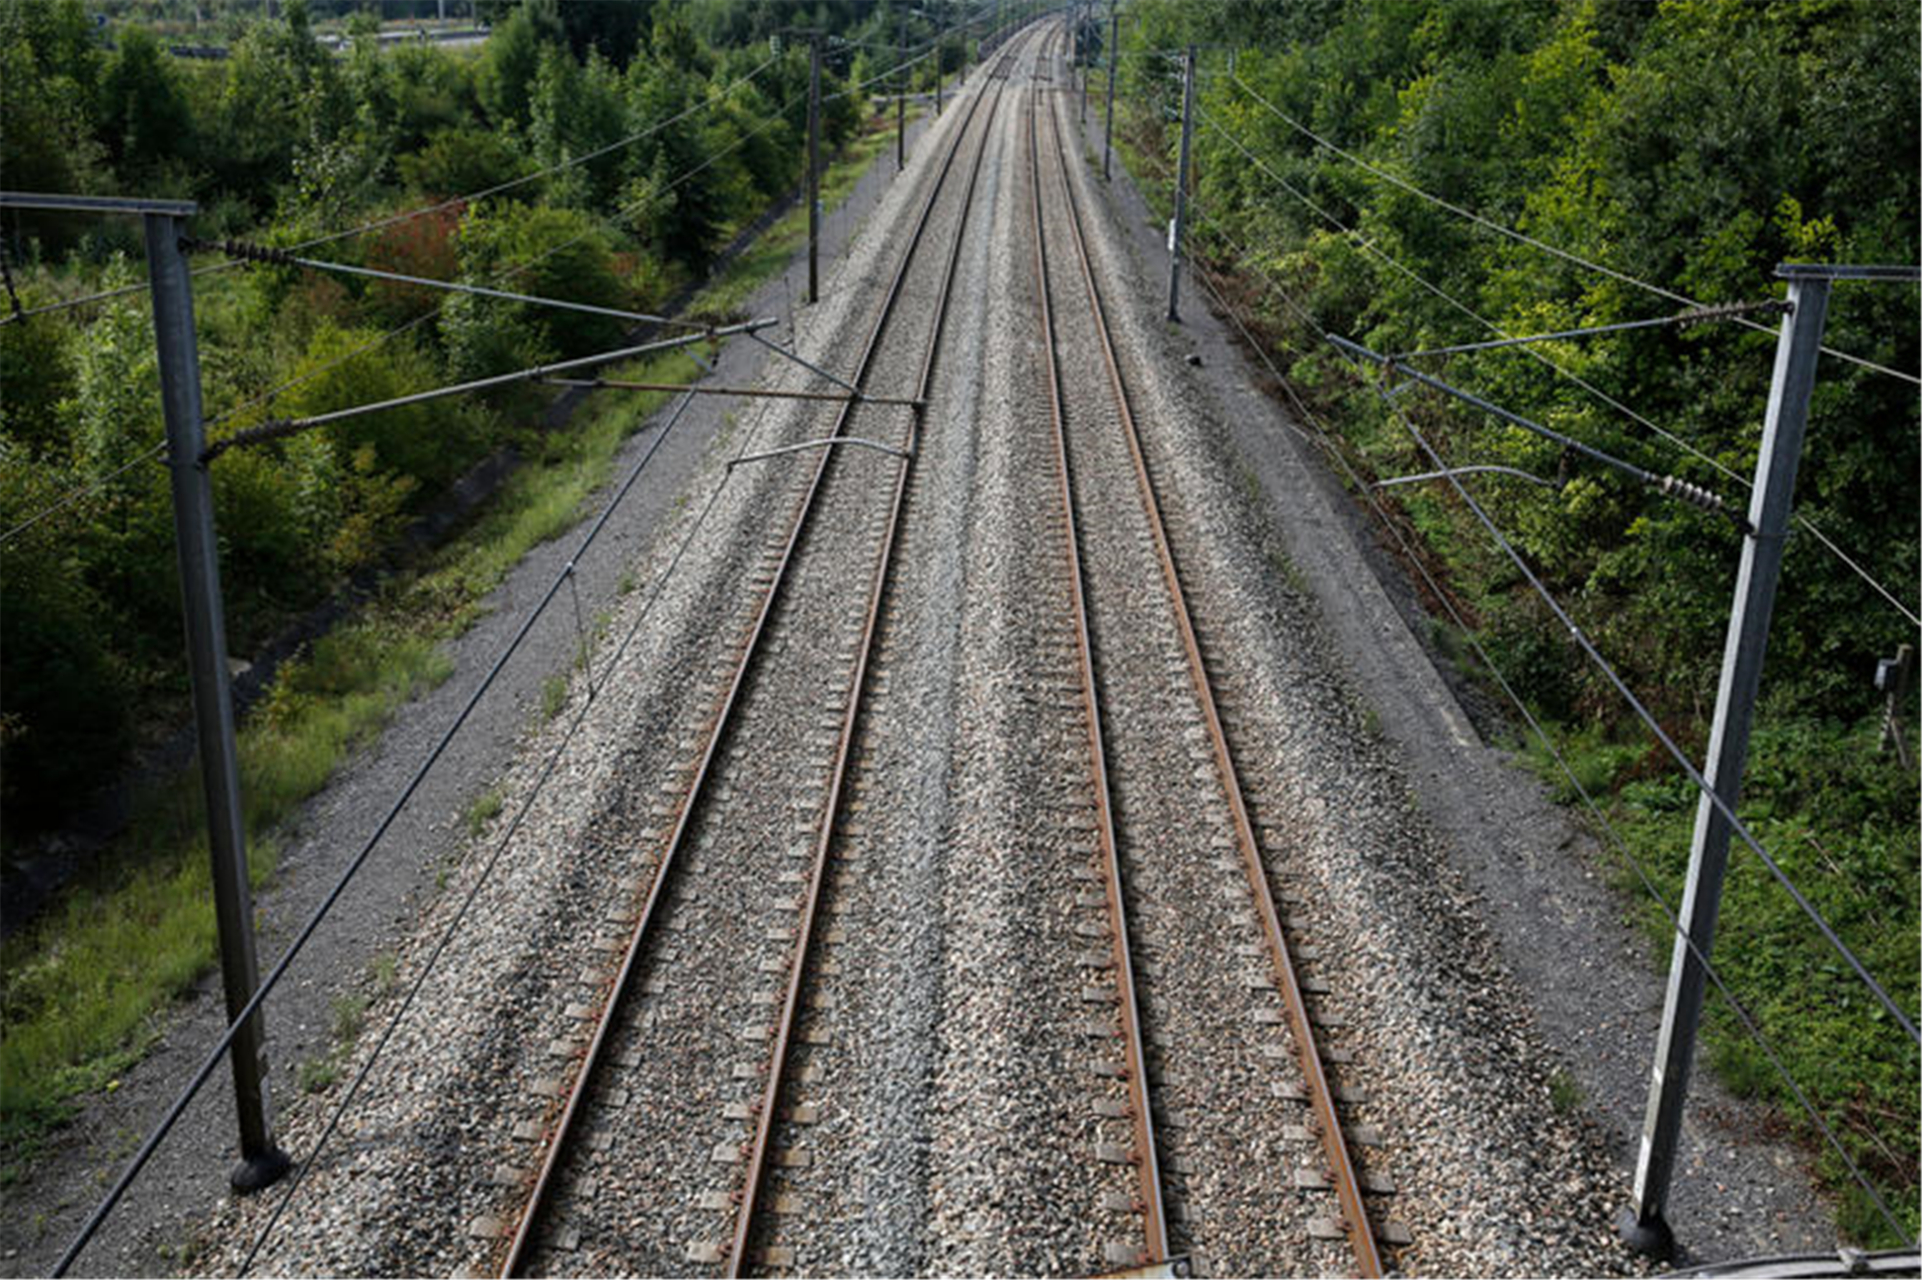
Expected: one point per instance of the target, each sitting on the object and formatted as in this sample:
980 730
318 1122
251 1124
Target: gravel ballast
949 1108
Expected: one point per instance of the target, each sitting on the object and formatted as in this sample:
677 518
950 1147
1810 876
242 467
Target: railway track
1216 1042
749 832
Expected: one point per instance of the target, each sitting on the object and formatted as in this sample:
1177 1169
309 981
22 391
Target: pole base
258 1172
1653 1239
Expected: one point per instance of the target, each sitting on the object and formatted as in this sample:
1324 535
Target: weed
385 973
316 1074
1564 1094
553 695
1250 482
486 807
349 1015
1285 569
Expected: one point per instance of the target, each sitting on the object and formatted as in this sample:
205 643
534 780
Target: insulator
1693 494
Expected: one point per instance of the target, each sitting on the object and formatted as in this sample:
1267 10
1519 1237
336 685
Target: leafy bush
66 708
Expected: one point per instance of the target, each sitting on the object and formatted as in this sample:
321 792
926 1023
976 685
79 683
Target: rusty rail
776 1072
1346 1181
1146 1159
537 1200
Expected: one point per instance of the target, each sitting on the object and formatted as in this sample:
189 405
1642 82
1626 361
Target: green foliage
37 372
546 252
283 140
281 90
1695 144
142 109
511 61
456 160
1840 820
65 705
48 69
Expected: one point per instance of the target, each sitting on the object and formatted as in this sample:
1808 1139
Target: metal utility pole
1074 45
261 1161
940 55
901 95
1081 18
171 287
1114 59
1645 1227
814 167
1181 186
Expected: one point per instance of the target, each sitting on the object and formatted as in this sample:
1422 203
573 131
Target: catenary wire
104 295
481 880
1367 244
83 491
1531 241
456 286
1326 442
451 202
1649 721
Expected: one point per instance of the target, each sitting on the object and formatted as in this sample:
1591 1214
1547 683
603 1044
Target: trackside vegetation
283 141
1694 144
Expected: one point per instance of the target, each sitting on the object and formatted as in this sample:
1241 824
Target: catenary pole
171 284
814 168
1181 186
1645 1227
1082 14
901 95
1114 58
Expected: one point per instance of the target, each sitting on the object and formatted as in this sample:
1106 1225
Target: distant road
465 38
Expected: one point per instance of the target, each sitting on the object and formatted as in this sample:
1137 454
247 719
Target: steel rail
1346 1181
558 1143
761 393
766 1111
1147 1159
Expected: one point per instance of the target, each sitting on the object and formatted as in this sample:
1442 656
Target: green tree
48 68
142 112
511 61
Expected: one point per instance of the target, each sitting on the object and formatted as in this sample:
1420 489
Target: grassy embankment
85 991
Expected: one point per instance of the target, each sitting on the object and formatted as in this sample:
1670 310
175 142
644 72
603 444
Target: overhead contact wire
1325 441
1368 245
1531 241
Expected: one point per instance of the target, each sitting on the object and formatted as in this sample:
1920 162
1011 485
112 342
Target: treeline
1692 144
284 141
